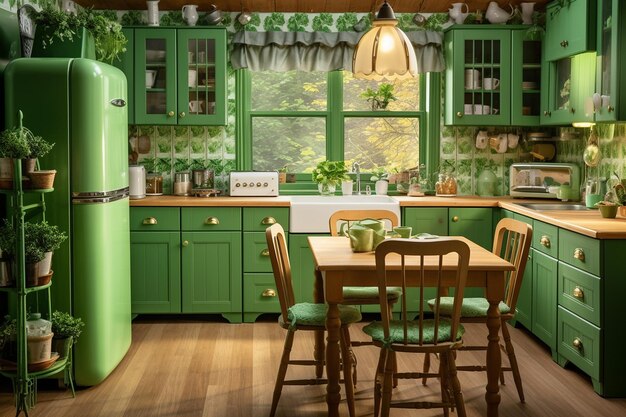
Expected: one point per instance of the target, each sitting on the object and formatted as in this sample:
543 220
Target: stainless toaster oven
542 179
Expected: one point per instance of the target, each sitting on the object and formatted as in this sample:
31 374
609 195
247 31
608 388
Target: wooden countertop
588 223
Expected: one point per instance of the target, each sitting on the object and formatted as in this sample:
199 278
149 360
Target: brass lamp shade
384 51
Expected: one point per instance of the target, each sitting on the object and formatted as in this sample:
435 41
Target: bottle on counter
154 184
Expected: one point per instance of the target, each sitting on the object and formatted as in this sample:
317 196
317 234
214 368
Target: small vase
381 187
326 188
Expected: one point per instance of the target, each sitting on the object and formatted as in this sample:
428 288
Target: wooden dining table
337 266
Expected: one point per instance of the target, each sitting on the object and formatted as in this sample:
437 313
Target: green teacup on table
403 231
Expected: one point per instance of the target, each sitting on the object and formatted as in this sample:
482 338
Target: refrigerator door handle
118 102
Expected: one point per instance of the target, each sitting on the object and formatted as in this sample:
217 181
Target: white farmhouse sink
310 213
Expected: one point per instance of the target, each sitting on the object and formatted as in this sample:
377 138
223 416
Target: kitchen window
297 119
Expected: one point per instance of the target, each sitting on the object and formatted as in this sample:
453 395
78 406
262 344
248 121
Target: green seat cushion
396 331
393 293
310 314
472 307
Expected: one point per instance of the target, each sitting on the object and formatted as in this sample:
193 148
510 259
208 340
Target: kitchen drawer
580 251
546 238
257 219
260 294
579 342
211 218
256 256
154 218
579 292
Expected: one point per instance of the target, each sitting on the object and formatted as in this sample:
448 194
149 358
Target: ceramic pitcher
153 12
457 14
190 14
527 12
365 235
495 14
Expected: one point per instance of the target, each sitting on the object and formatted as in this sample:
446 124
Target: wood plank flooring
192 367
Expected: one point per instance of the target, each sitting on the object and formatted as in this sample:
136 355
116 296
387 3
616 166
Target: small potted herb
380 98
66 329
13 145
38 147
381 178
328 174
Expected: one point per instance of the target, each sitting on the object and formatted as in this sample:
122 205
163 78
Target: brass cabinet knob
578 293
545 241
610 109
268 293
150 221
572 110
455 219
577 343
185 243
459 114
181 114
547 113
564 43
265 252
170 113
579 254
268 220
212 220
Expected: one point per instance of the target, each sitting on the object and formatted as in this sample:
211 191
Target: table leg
495 293
318 351
333 395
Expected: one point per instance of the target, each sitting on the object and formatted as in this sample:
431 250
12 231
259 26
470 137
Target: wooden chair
439 335
304 316
511 242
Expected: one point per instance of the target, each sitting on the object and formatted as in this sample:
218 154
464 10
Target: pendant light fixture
384 51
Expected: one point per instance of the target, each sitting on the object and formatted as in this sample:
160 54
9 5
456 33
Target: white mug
196 106
192 78
201 57
150 78
512 140
481 139
190 57
468 109
346 187
491 83
472 79
481 109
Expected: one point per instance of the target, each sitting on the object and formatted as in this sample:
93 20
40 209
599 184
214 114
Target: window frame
334 115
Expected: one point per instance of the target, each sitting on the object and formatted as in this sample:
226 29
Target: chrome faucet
356 168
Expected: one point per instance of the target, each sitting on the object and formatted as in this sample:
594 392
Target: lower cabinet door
212 273
259 295
302 268
475 223
433 220
155 272
523 309
544 298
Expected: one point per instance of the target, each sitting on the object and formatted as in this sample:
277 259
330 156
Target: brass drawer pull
268 293
459 114
150 221
268 220
455 219
265 252
545 241
579 254
577 343
212 220
185 243
578 293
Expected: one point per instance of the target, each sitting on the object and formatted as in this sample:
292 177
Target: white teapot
456 12
190 14
495 14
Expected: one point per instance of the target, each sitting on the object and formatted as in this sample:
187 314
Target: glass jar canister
446 185
154 184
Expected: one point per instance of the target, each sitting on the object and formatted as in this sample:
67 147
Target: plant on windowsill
66 329
380 98
381 178
328 174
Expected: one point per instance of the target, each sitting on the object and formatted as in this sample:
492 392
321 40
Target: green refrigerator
80 105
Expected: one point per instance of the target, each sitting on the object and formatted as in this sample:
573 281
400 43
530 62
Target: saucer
529 85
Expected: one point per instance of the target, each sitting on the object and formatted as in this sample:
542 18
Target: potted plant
381 178
380 98
84 34
13 145
328 174
66 329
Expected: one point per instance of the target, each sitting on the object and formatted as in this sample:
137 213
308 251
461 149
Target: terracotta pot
42 180
28 165
62 346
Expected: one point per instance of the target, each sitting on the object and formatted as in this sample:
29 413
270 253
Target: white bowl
155 55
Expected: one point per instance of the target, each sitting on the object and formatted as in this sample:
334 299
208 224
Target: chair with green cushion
307 317
421 262
512 242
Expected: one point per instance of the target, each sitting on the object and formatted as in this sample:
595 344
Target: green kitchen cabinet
570 28
302 267
610 92
544 299
493 76
475 223
211 257
566 96
433 220
259 289
179 76
155 260
155 272
126 63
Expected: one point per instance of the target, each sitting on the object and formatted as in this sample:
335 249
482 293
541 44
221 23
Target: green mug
361 238
403 231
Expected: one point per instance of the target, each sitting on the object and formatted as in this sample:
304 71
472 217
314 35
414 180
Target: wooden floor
198 368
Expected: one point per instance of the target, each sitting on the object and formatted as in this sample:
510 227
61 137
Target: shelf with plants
26 247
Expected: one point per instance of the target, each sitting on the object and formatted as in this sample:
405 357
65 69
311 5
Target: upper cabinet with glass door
185 76
610 92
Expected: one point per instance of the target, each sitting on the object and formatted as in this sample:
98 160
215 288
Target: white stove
254 183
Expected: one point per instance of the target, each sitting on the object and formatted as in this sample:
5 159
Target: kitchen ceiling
305 6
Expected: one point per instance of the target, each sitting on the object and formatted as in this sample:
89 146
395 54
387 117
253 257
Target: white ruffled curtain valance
321 51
